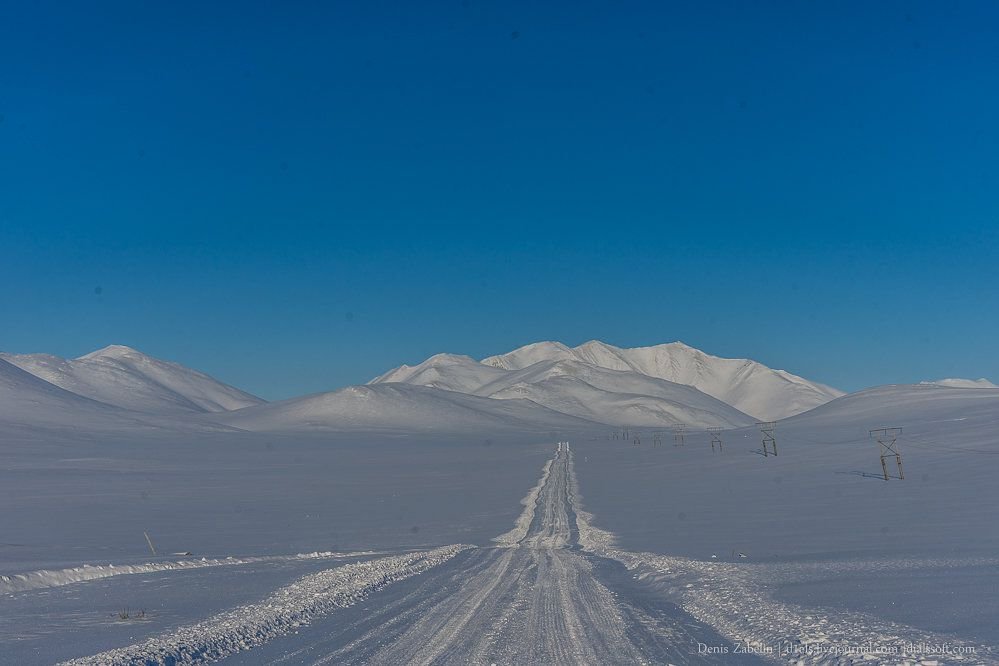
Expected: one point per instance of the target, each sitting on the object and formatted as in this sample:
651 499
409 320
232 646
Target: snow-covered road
539 600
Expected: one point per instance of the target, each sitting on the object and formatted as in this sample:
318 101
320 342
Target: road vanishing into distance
539 600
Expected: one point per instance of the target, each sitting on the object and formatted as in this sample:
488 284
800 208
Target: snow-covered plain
431 512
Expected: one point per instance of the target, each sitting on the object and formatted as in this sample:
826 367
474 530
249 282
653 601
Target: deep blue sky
297 196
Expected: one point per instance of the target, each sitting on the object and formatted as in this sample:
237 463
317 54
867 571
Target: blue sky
298 196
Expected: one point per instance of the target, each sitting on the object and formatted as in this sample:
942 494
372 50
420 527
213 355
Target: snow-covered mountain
31 406
577 388
124 377
403 408
750 387
644 376
962 383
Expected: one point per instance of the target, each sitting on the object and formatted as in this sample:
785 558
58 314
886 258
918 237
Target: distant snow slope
899 404
31 405
401 407
26 399
613 396
124 377
36 409
963 383
746 385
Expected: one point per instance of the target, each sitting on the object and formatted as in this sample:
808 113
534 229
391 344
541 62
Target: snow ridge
282 612
45 578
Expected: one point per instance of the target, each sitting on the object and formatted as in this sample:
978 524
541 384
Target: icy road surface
538 600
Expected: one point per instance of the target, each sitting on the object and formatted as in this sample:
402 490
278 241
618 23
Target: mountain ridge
743 384
125 377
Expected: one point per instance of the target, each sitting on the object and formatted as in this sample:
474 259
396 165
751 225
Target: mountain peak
113 351
530 354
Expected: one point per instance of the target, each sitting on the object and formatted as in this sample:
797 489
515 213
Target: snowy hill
31 406
124 377
401 407
898 404
27 400
748 386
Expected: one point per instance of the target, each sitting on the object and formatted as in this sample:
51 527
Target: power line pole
152 549
888 447
768 432
678 433
715 438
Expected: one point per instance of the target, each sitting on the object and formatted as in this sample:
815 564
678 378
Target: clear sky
298 196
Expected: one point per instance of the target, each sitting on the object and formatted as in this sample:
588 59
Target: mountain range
649 375
545 386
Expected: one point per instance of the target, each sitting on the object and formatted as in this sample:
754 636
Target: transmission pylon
768 433
715 438
888 448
